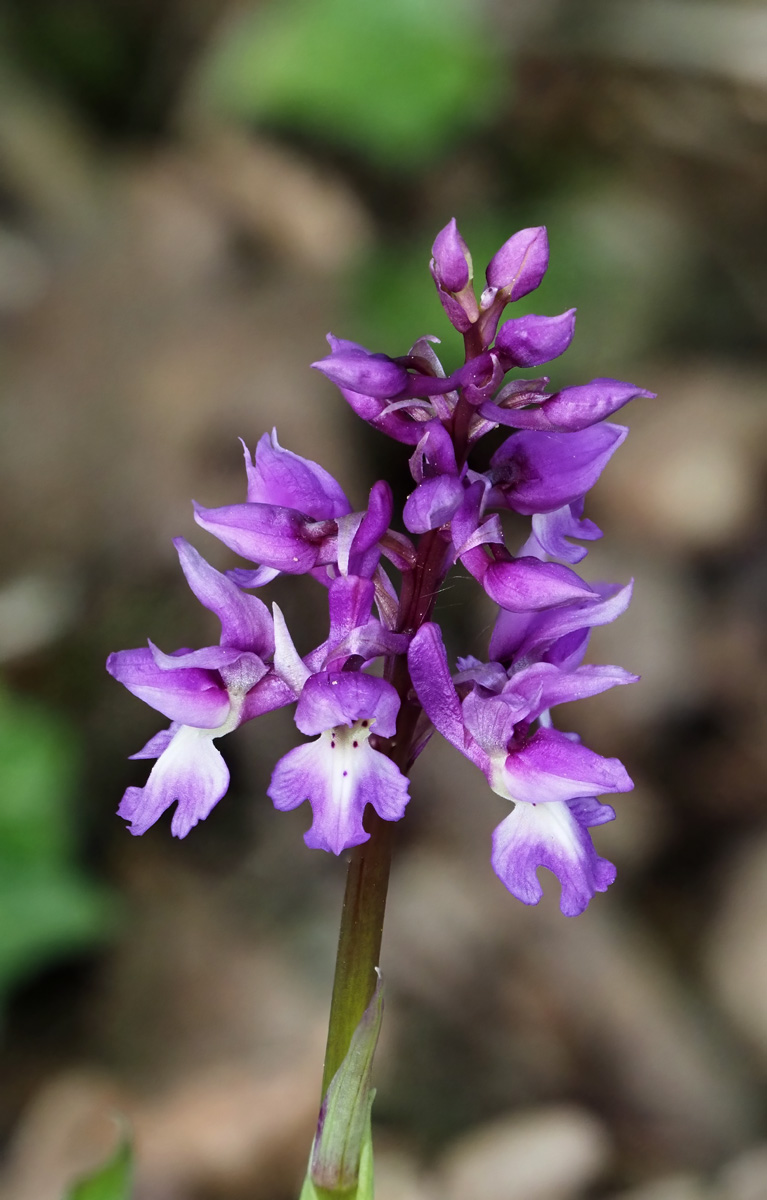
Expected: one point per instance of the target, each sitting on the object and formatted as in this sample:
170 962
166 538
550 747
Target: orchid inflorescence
369 727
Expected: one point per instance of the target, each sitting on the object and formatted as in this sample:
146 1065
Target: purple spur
368 698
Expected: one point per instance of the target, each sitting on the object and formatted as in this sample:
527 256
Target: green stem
359 940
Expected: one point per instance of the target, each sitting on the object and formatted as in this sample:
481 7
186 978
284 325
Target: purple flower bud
520 264
354 367
532 340
452 271
451 265
573 408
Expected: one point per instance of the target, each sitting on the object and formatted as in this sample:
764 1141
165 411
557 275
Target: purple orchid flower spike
372 694
545 770
205 694
370 697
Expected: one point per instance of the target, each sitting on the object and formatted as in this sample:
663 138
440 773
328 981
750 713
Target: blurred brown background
192 192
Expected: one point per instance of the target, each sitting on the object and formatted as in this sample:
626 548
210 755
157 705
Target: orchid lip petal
339 774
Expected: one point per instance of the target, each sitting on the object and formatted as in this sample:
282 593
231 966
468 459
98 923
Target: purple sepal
191 696
554 836
339 774
281 477
366 642
245 620
342 697
544 685
191 771
451 262
535 472
528 585
433 503
523 634
430 674
572 409
520 264
551 531
264 533
532 340
354 367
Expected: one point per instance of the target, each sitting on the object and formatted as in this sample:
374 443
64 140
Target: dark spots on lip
364 724
332 745
355 745
345 773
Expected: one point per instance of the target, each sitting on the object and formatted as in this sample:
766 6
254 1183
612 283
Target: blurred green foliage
110 1182
47 905
398 82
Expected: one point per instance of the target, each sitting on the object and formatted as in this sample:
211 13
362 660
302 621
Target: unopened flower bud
520 264
532 340
452 271
451 265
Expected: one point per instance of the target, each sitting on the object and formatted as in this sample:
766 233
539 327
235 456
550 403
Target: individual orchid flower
298 520
340 772
205 694
550 777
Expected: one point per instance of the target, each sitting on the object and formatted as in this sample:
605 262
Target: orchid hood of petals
529 585
552 531
279 476
534 472
263 533
521 635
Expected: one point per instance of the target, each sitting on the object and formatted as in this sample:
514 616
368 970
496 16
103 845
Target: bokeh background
192 192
